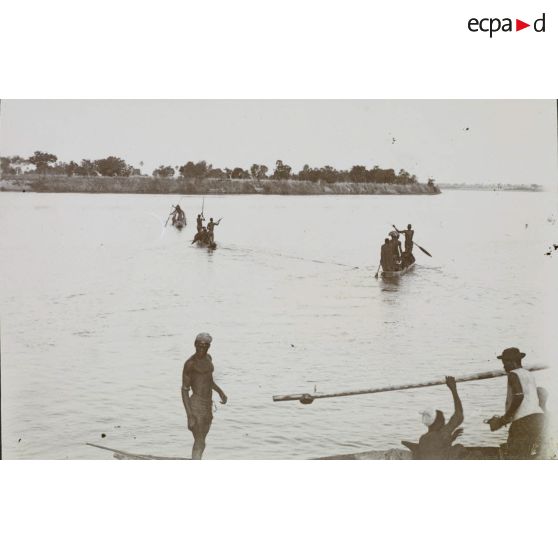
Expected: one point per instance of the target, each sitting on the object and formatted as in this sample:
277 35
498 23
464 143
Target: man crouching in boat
197 376
437 442
523 409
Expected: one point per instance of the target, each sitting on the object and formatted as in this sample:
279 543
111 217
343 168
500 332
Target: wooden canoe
180 224
208 245
401 454
473 453
398 272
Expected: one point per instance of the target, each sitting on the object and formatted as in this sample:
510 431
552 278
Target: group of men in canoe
205 235
392 257
525 411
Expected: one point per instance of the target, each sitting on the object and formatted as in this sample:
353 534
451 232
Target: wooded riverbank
206 186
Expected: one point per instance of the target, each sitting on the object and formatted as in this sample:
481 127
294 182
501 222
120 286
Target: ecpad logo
493 25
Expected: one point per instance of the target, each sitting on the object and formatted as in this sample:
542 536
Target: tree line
48 164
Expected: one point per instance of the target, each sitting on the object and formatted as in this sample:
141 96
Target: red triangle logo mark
519 25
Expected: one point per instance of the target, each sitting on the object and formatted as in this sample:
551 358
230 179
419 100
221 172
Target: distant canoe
180 224
398 272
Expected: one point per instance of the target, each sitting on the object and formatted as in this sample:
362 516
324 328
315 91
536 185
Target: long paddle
377 272
419 247
169 216
306 398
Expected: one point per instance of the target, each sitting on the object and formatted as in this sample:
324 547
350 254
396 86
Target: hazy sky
506 141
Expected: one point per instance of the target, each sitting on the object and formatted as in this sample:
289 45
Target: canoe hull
180 224
208 245
398 272
472 453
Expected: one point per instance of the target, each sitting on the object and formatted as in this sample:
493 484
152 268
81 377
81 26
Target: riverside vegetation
42 172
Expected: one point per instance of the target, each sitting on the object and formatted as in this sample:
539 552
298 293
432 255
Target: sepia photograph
278 279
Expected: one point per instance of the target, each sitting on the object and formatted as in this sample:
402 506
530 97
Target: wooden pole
307 398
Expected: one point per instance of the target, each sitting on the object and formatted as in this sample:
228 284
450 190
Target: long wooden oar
419 247
376 276
306 398
168 217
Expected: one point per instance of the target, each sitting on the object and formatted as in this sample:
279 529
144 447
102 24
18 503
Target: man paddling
197 376
523 408
177 214
437 443
408 254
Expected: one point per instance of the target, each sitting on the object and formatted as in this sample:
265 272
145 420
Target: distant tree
282 172
112 166
164 172
71 168
239 172
258 171
228 172
42 160
329 174
6 166
87 168
358 174
216 173
194 170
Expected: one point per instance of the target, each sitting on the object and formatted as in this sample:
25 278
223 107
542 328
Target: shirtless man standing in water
197 376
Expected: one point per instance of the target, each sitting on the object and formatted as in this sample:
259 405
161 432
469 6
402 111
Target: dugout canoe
398 272
180 224
206 244
473 453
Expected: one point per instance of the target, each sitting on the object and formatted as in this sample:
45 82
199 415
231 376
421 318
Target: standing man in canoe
437 443
197 376
199 221
409 233
395 251
385 255
210 226
177 214
523 409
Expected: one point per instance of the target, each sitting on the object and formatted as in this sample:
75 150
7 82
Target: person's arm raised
457 417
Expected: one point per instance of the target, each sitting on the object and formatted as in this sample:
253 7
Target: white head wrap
428 417
203 338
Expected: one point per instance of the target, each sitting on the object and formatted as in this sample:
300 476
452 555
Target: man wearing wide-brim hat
523 410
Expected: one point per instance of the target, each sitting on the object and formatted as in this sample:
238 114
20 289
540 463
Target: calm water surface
100 305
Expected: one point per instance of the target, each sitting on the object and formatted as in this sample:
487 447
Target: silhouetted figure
210 226
199 221
437 443
385 255
395 245
407 256
197 377
201 236
523 409
178 214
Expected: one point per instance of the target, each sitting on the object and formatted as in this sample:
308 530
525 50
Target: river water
100 304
